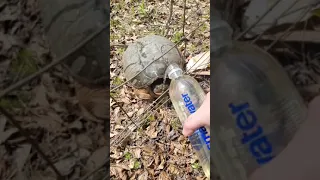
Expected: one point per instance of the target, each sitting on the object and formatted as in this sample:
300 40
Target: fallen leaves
48 108
98 158
152 131
149 147
21 155
65 166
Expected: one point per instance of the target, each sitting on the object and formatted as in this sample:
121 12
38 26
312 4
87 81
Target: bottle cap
173 71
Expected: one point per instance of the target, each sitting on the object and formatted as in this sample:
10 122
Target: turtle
68 23
154 49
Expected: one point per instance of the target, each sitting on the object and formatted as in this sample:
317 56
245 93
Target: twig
254 24
52 64
183 27
119 45
31 141
275 21
202 73
169 18
288 31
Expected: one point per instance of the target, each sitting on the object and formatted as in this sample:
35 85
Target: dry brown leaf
51 122
143 176
137 153
164 176
116 154
148 150
4 135
131 163
65 166
37 175
95 101
84 141
118 171
156 160
162 164
83 153
173 169
87 115
141 110
98 158
21 155
76 125
40 97
152 132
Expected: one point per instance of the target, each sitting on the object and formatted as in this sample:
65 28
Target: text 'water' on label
202 132
252 133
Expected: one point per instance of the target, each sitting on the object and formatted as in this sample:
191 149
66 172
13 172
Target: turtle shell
68 23
144 51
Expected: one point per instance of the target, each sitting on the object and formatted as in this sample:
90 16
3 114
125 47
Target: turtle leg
145 93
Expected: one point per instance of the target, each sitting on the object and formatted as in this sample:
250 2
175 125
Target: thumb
195 121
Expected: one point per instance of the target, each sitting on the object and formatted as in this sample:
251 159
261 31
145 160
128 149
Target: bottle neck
221 34
175 74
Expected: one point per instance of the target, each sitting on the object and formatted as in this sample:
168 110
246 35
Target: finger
303 148
194 122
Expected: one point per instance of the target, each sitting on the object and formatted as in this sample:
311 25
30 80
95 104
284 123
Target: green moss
120 50
177 37
175 123
10 104
117 81
24 64
137 164
127 156
195 165
114 22
204 28
151 118
142 9
114 94
193 48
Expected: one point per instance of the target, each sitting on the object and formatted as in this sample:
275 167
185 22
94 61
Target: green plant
137 164
117 81
114 22
204 28
195 165
175 123
142 8
24 64
177 37
10 103
114 94
120 50
151 118
127 156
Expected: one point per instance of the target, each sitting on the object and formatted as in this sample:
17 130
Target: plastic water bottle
256 109
187 96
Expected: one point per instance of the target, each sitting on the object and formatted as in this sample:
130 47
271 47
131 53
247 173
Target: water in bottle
187 96
256 109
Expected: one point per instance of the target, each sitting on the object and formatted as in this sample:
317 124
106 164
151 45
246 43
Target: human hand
198 119
300 160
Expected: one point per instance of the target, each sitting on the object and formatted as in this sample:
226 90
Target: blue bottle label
200 136
252 133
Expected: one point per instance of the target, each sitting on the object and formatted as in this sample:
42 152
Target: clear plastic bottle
256 109
187 96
